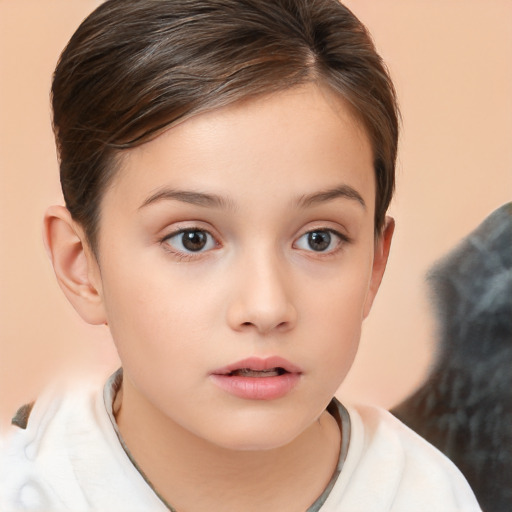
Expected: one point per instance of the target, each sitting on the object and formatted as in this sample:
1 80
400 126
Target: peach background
451 61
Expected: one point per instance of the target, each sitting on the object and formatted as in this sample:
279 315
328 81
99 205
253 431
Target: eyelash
342 240
184 255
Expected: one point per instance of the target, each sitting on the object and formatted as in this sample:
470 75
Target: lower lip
257 388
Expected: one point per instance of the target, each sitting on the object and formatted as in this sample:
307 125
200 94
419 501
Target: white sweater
70 458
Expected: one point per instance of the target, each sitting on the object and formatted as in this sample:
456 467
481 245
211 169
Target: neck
194 475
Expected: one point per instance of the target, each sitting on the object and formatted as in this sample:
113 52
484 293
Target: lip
258 388
259 364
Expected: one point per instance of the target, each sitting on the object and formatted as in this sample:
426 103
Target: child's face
242 233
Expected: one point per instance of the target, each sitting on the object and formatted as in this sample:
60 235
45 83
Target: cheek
334 315
152 314
337 330
340 297
165 324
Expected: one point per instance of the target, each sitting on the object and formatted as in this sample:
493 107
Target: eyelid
183 254
181 226
342 240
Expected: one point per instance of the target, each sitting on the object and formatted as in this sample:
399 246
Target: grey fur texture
465 406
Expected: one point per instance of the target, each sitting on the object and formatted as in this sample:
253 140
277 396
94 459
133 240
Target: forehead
306 136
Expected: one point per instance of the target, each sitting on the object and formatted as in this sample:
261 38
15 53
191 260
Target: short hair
134 68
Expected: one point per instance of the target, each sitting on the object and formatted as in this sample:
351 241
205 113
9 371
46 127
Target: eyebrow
187 196
213 200
343 191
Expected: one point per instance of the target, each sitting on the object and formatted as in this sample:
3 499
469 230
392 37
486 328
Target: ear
75 265
380 259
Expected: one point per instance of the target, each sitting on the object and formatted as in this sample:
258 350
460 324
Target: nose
262 300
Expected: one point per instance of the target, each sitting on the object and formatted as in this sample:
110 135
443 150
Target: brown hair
135 67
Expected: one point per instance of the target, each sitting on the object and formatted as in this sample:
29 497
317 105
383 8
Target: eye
319 240
191 240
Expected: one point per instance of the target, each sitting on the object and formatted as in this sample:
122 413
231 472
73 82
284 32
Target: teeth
247 372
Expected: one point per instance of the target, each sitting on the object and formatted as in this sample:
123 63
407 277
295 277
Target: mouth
249 372
255 367
258 379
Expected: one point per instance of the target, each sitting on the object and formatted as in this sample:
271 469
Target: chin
252 443
260 434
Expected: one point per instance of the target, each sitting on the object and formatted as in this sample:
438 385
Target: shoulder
38 452
389 467
68 456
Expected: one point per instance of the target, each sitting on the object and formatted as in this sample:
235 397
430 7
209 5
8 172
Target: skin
277 168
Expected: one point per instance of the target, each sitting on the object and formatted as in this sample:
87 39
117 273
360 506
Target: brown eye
191 240
319 240
194 240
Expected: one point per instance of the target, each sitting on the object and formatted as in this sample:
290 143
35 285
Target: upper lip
259 364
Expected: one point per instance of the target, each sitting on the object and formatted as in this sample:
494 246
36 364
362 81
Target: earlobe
74 264
380 259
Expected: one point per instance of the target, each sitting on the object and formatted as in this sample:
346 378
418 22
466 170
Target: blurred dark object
465 406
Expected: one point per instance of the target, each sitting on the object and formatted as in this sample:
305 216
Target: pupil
319 240
194 240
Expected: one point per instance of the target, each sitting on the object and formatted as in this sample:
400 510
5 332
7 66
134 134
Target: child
227 167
